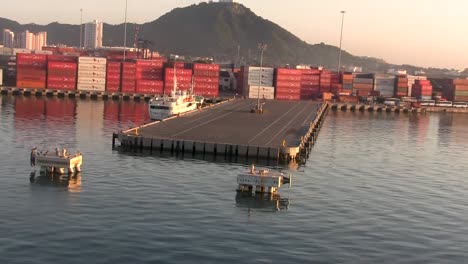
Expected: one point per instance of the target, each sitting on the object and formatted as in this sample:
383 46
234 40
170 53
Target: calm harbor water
378 187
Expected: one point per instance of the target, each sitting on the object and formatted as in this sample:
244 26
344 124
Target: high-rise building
40 40
8 38
26 40
93 34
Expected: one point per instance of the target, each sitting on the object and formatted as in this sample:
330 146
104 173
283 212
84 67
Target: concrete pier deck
230 127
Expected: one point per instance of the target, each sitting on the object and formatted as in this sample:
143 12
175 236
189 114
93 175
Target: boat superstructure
56 161
262 180
178 102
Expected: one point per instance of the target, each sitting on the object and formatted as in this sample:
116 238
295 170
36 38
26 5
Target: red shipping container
206 73
460 81
177 64
199 79
179 72
113 87
292 78
286 90
54 65
309 84
62 58
128 86
157 76
156 64
205 67
58 85
170 78
202 86
30 58
289 84
310 78
281 71
149 87
310 72
53 78
288 97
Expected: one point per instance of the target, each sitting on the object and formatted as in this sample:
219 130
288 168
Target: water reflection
70 182
261 201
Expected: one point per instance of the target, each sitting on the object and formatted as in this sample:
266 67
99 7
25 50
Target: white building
8 38
93 34
40 40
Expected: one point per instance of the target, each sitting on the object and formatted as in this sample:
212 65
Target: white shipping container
91 87
257 69
256 82
83 73
91 80
1 77
15 51
262 95
91 67
92 60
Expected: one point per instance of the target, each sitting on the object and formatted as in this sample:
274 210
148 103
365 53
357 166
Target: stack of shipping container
288 84
92 74
458 91
335 83
310 84
384 85
347 81
325 81
363 84
401 86
206 79
422 90
31 70
61 72
258 82
128 77
149 77
411 80
113 74
183 79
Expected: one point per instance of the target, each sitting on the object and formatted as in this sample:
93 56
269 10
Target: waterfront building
93 34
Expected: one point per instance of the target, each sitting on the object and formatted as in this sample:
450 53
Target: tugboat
56 161
178 102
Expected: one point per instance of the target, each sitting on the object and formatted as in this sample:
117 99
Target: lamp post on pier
81 27
125 31
262 47
341 37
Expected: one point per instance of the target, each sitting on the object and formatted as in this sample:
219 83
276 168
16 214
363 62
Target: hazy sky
429 33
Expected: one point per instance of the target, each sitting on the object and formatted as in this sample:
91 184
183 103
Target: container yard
76 75
284 132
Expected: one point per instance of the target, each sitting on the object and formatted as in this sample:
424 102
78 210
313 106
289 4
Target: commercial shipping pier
284 131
